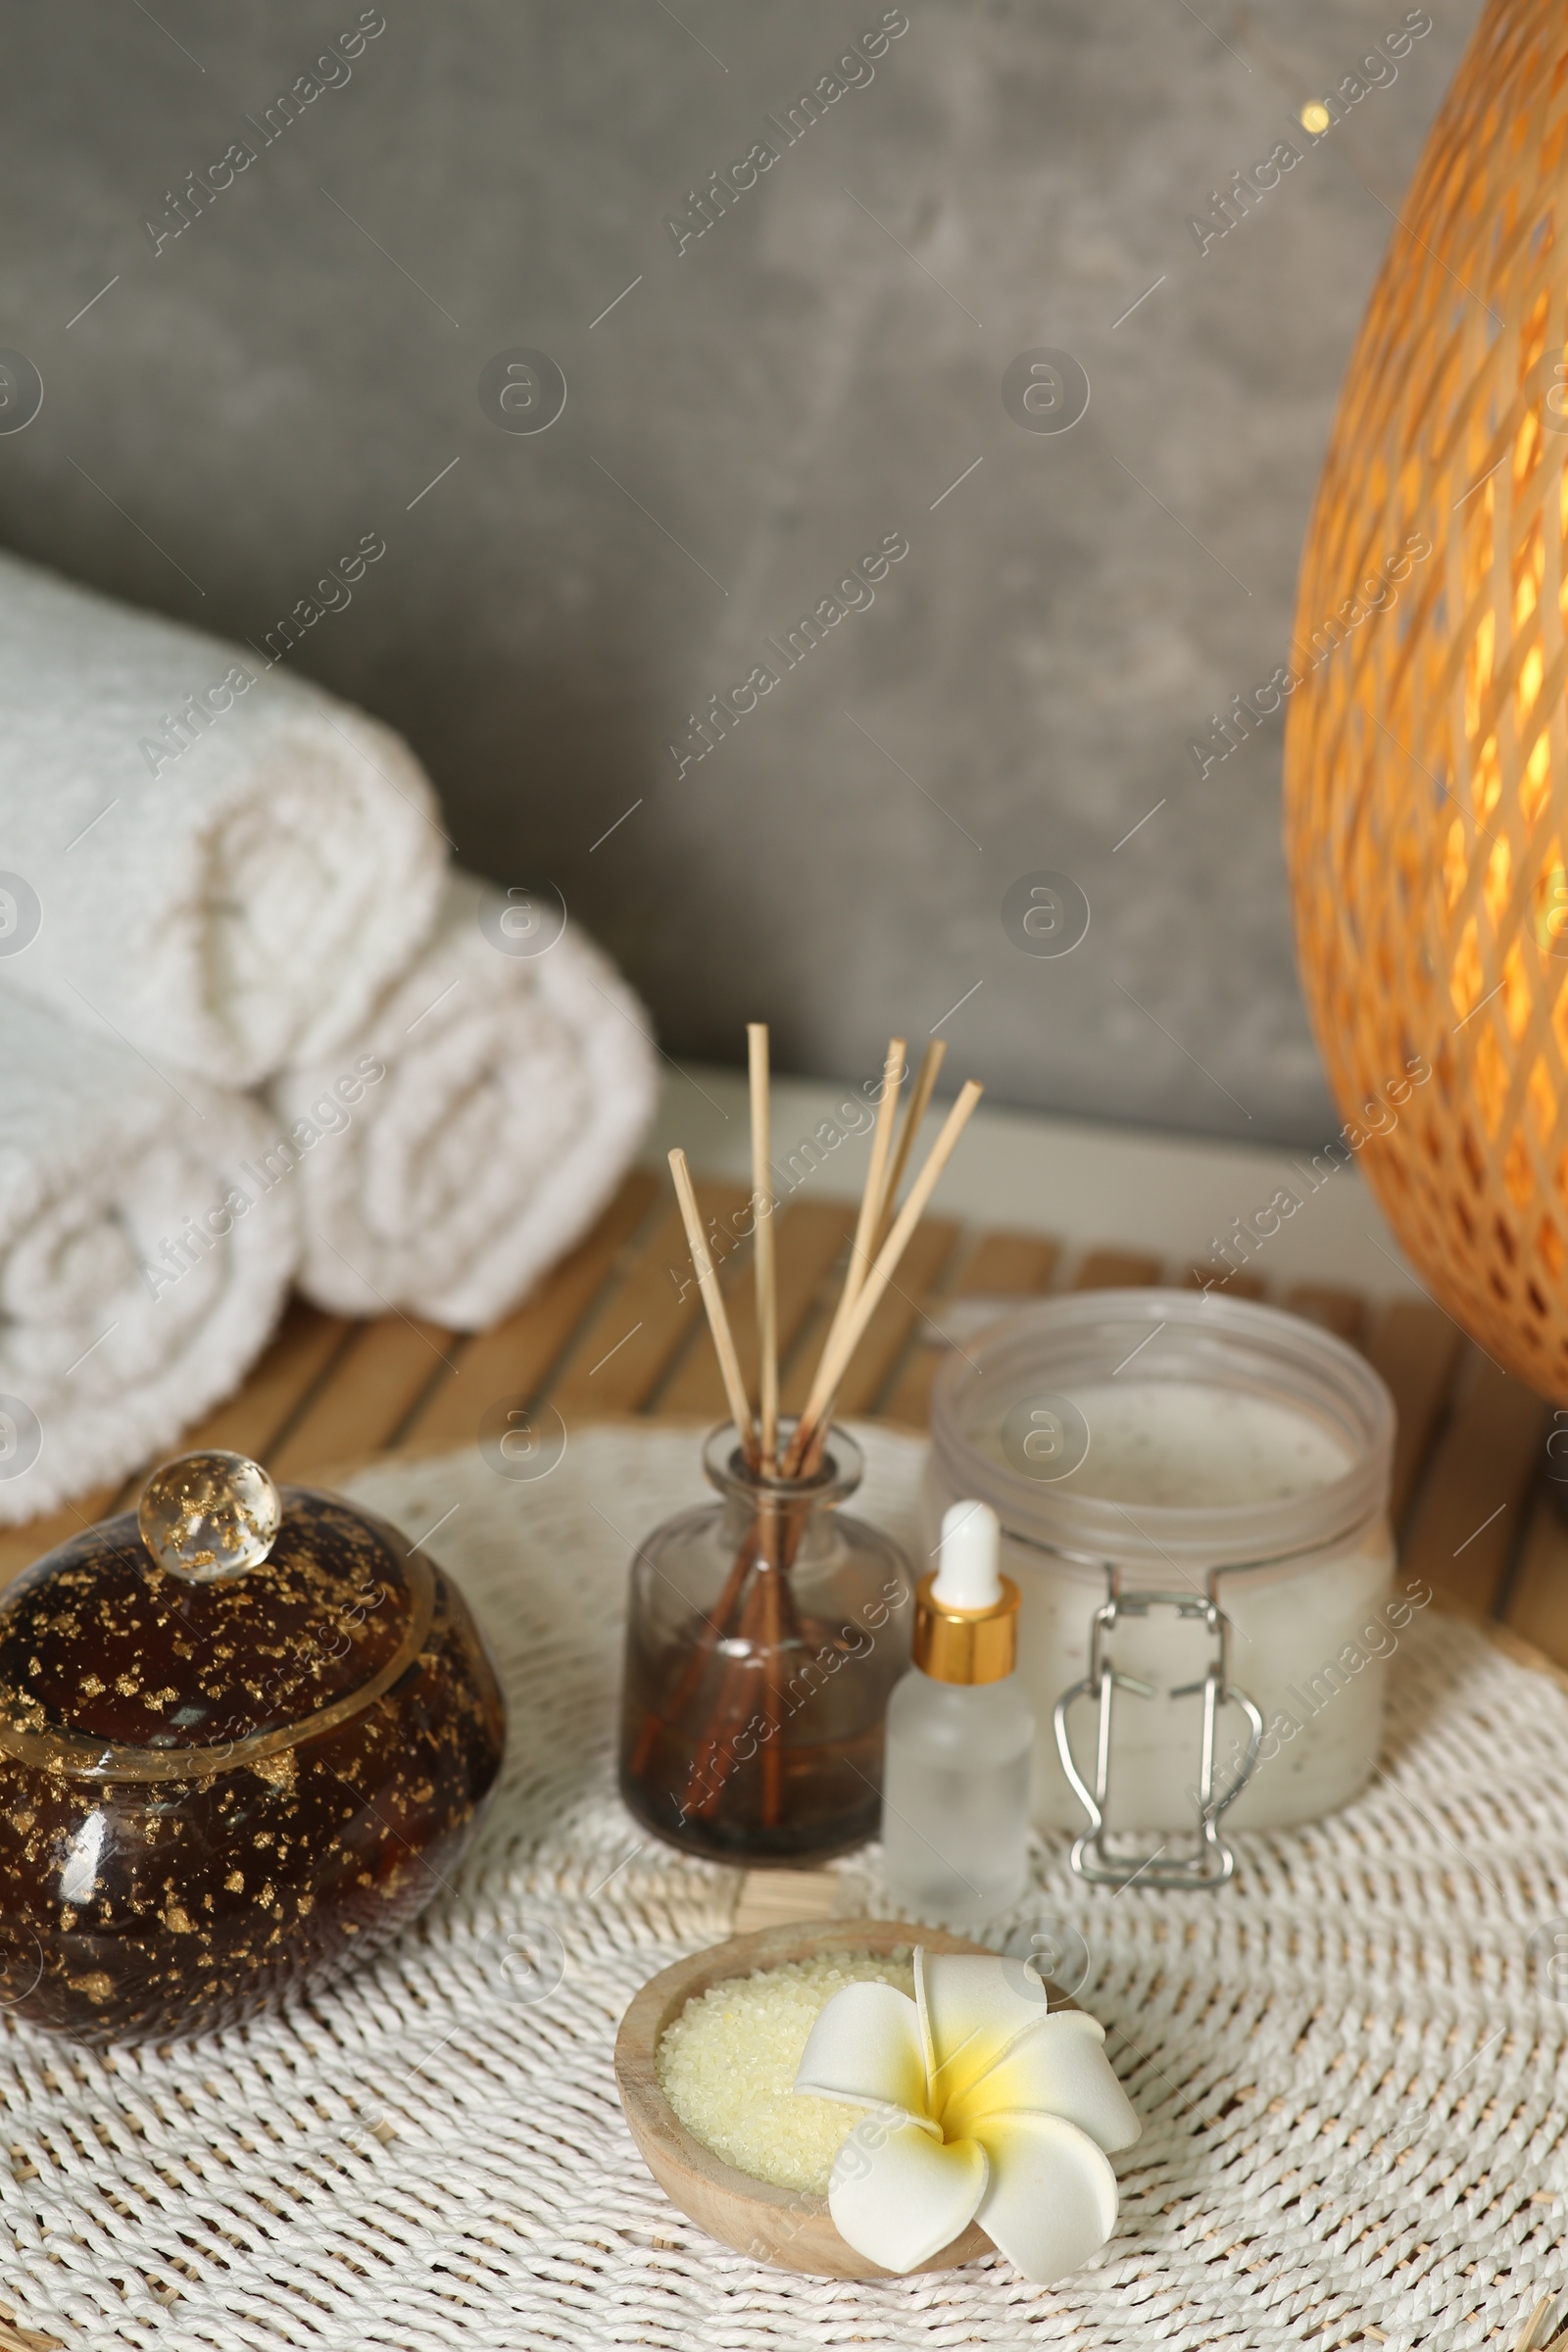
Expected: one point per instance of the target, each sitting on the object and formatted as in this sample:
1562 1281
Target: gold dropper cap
965 1646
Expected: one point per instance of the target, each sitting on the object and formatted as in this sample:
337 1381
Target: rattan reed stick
756 1042
862 1248
729 1364
842 1343
919 1103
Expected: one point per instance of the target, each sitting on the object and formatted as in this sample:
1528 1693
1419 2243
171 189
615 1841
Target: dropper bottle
961 1737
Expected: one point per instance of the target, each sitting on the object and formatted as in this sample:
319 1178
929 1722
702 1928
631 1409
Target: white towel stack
217 880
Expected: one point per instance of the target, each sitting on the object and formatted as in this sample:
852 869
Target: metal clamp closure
1210 1862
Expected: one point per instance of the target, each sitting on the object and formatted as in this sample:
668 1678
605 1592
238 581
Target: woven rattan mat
1349 2065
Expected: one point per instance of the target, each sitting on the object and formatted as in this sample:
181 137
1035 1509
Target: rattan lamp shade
1426 779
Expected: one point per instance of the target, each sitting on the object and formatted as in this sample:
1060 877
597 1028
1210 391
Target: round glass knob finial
207 1516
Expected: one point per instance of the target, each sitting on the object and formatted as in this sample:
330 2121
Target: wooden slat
374 1385
515 1361
618 1360
1417 1351
1469 1517
1222 1284
889 1329
1537 1604
1117 1270
812 1235
1343 1312
1003 1265
254 1419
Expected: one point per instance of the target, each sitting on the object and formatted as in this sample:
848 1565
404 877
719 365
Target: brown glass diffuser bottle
764 1634
244 1738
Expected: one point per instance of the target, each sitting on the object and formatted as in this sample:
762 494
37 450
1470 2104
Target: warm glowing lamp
1426 777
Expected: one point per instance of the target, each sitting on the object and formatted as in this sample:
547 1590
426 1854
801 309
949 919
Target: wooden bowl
776 2226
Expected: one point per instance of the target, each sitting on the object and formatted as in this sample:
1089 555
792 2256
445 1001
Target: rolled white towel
515 1090
140 1270
227 863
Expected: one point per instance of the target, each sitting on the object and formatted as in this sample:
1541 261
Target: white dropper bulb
968 1562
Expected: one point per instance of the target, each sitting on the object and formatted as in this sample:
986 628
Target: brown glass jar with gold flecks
245 1735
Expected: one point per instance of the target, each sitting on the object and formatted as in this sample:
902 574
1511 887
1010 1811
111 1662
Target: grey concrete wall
757 412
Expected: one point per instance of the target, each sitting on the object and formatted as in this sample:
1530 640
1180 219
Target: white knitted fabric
1349 2065
141 1265
228 864
516 1092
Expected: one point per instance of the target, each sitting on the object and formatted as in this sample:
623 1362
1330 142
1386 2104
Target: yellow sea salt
726 2065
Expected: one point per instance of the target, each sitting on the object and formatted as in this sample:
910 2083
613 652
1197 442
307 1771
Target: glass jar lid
1231 1434
116 1666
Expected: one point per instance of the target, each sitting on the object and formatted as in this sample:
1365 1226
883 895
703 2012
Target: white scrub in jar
1262 1487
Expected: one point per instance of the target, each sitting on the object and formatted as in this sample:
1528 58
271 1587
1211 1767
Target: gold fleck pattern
99 1645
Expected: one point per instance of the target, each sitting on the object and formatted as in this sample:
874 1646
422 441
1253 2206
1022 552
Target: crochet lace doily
1349 2064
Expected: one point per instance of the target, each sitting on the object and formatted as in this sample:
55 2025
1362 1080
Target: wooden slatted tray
615 1331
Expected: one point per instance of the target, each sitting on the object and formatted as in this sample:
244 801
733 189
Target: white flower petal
1058 2068
1051 2201
898 2196
866 2047
971 2011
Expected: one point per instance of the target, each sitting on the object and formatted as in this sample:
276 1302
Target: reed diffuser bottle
763 1636
766 1631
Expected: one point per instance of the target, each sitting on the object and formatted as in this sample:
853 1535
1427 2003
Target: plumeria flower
984 2108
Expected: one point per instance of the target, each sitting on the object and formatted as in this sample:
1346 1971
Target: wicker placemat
1350 2065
